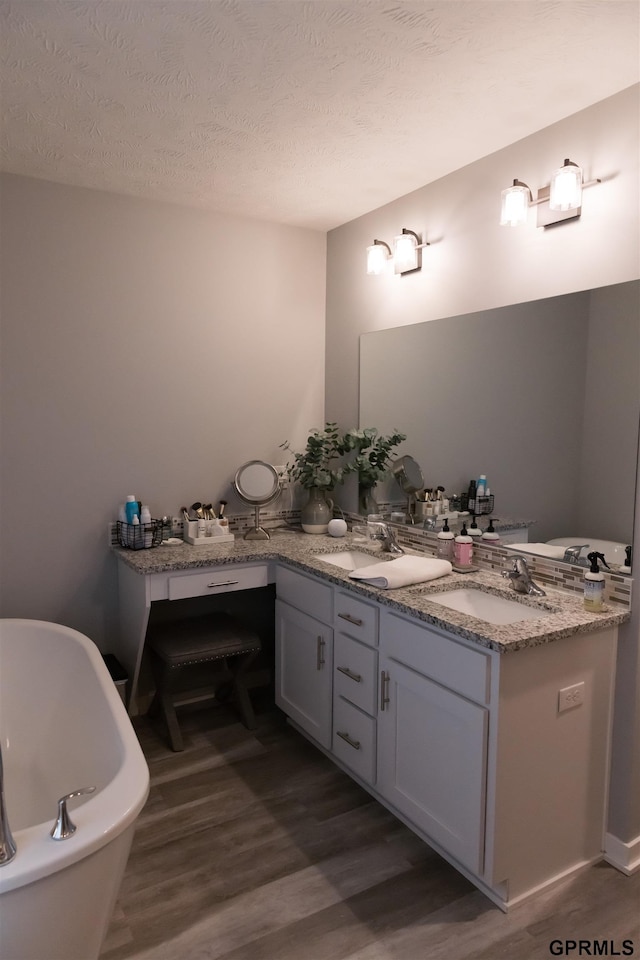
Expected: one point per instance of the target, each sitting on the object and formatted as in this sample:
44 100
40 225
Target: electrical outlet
569 697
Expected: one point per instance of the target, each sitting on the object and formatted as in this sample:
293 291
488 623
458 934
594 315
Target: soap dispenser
626 567
594 584
463 548
445 545
474 529
490 535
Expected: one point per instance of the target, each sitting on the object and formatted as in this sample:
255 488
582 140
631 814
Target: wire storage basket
481 506
139 536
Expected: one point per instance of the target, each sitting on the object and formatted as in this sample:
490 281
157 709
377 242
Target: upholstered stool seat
199 658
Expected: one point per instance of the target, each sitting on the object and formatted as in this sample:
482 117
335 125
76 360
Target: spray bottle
594 584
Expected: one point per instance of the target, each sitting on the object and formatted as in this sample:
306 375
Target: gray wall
474 264
147 348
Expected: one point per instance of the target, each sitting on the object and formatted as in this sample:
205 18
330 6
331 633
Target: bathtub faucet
7 844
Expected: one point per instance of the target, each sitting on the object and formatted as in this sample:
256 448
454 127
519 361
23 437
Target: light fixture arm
419 244
381 243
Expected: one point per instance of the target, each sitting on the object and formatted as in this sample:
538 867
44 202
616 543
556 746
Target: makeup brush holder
206 532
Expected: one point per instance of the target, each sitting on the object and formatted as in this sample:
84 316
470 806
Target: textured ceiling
307 113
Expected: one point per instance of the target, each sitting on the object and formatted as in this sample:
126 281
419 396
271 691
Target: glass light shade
515 205
405 253
377 256
565 192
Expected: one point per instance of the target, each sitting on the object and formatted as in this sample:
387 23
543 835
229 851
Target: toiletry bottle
122 514
145 520
490 535
474 529
444 548
594 584
133 535
626 567
131 508
471 497
481 486
463 548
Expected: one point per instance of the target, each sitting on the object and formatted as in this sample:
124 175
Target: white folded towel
541 549
402 572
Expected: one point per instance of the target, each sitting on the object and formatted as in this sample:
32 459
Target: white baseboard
624 856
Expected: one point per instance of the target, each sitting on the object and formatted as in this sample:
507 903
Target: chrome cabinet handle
348 673
320 652
352 743
224 583
384 688
354 620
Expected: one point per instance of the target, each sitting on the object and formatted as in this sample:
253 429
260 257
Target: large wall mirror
542 397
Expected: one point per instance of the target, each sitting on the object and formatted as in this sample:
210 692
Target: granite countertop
566 613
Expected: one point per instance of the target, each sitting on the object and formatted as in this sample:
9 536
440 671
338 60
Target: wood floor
253 846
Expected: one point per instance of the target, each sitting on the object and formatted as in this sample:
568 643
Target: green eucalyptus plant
316 466
374 453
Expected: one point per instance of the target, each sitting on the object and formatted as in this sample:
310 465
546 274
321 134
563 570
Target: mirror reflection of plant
316 466
374 453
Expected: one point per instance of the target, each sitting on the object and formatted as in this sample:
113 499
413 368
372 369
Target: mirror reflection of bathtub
543 397
613 552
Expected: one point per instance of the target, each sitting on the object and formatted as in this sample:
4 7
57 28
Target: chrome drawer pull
224 583
320 653
352 743
354 620
348 673
384 688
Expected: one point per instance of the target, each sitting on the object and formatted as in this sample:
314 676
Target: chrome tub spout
7 844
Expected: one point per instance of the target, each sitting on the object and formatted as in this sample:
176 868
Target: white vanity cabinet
433 735
304 652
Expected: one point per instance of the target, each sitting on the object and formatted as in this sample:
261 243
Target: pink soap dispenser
463 549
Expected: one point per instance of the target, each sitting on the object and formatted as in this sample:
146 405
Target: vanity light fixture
565 190
516 201
377 256
407 248
560 201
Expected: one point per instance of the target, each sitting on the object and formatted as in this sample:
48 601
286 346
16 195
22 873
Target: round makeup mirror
408 473
257 483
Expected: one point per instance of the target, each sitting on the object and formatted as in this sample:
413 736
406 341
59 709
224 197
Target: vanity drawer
354 739
437 655
307 594
356 617
355 672
217 580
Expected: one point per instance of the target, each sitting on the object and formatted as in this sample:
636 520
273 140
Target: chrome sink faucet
518 573
385 533
7 844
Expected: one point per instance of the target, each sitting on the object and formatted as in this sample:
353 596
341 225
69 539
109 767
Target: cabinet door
304 667
432 746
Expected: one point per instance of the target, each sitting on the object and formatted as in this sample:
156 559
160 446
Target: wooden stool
197 659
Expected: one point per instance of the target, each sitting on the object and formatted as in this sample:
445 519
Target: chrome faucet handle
516 566
64 826
572 553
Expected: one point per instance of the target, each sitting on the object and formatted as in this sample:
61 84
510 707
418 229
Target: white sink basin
487 606
349 559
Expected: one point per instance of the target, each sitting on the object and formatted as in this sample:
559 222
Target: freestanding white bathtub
63 726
